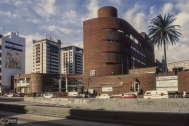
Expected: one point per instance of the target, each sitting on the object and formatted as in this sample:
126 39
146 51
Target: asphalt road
37 120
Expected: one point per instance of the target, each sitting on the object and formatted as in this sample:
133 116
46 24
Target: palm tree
161 32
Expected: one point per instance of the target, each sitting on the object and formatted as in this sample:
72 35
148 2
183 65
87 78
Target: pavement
101 115
38 120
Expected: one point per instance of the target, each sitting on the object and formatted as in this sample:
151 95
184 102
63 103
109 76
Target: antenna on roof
3 29
46 35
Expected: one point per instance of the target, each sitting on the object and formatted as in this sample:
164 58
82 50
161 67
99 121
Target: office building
46 56
12 58
112 46
71 60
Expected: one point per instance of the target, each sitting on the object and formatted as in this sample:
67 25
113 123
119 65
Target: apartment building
178 66
71 60
46 56
12 58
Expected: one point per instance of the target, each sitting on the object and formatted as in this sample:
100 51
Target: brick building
40 82
122 83
112 46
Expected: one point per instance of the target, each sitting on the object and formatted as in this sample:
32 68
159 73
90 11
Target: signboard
91 91
107 85
13 55
92 73
105 89
168 83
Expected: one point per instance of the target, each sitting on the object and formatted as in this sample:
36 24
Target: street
37 120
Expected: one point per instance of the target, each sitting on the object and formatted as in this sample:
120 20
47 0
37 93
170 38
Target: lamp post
18 83
1 89
177 68
168 68
66 83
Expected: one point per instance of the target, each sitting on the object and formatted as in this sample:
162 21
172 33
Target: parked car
16 95
156 94
103 96
127 96
49 96
5 95
9 95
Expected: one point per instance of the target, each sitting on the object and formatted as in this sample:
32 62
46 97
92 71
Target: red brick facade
38 81
147 81
109 48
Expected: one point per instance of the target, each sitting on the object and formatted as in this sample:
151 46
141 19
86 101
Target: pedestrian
176 94
184 94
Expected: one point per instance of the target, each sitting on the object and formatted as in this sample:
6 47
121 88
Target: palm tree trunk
165 57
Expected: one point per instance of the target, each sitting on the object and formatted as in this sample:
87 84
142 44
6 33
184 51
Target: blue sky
63 19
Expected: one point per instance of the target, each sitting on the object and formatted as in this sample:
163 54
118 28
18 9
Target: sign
168 83
91 91
13 55
107 85
92 73
8 121
105 89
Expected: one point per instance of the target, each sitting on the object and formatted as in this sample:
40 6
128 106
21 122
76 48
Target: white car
10 95
156 95
49 96
103 96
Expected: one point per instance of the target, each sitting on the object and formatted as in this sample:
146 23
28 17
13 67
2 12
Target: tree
162 32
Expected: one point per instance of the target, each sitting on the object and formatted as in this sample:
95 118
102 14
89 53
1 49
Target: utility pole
66 83
60 86
122 65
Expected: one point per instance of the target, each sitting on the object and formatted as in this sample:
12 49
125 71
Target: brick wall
147 81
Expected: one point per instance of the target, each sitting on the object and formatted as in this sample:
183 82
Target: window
92 73
149 92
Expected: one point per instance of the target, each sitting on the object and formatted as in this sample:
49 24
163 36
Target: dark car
16 95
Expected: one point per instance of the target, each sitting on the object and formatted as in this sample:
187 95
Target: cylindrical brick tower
107 12
107 44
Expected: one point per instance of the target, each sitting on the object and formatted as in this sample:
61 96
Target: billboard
168 83
13 55
104 89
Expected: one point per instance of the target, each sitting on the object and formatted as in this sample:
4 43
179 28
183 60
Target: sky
63 20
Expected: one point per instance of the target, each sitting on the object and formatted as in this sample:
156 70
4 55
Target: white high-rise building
71 60
12 58
46 56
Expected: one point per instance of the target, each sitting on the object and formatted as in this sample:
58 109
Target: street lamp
1 91
177 68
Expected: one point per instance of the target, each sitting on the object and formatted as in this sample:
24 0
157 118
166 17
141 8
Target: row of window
137 60
133 48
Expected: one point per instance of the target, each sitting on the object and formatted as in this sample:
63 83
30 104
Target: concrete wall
180 105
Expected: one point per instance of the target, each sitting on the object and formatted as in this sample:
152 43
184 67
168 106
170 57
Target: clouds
54 28
93 9
136 16
167 8
9 14
45 8
179 51
63 19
